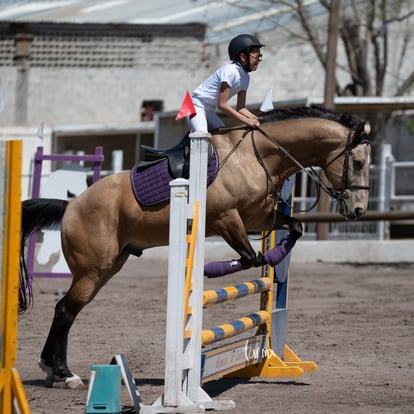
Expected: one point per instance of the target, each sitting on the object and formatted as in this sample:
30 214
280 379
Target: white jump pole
198 191
182 390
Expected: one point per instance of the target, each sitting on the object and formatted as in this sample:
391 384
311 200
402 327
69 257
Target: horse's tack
150 185
315 177
276 194
178 158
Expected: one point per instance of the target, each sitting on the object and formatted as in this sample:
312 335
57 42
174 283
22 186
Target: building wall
28 136
100 74
86 74
66 73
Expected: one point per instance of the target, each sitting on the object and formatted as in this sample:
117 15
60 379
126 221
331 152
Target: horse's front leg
231 228
291 224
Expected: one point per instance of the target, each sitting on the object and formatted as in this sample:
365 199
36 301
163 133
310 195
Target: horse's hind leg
54 354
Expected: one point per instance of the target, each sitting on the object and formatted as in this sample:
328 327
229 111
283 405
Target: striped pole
212 297
236 327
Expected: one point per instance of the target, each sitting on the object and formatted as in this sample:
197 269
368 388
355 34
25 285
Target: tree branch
312 36
356 53
408 82
381 60
401 18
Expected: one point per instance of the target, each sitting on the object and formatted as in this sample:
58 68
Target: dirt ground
355 322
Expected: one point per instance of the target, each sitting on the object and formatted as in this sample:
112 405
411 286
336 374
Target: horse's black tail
37 213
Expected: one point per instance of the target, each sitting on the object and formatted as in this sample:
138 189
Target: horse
105 224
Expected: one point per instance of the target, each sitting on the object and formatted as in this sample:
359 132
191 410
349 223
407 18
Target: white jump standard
186 366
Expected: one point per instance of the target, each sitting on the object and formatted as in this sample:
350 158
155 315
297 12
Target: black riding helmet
243 43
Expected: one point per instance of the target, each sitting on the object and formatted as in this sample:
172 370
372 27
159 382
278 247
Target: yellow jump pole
11 388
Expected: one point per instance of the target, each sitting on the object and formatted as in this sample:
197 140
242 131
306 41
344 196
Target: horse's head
348 173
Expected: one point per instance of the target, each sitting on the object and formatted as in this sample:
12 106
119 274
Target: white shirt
206 94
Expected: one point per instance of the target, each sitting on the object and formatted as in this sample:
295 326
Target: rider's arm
224 106
241 106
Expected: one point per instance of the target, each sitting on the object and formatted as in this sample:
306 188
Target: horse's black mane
312 111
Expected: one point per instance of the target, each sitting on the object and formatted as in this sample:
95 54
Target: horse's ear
366 130
360 134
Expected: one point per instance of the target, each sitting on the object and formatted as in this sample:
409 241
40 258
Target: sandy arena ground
355 322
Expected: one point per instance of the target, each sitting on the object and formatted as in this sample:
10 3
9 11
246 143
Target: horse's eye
358 164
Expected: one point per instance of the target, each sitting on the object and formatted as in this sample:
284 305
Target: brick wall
94 73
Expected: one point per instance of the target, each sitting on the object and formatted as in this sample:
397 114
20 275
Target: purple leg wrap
278 253
217 269
272 257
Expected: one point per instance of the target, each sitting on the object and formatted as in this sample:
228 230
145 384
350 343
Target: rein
234 148
314 176
336 195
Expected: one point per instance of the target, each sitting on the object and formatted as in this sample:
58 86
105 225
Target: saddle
150 178
178 158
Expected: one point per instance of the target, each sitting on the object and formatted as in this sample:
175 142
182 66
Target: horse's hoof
50 378
74 382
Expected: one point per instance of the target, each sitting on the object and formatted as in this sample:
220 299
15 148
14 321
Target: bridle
341 193
336 195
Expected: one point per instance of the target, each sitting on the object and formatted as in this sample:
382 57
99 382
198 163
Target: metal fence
391 189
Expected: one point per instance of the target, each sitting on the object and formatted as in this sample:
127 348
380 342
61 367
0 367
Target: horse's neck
310 140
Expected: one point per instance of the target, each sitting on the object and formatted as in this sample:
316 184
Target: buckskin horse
105 224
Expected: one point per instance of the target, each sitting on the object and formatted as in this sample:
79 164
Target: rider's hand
253 123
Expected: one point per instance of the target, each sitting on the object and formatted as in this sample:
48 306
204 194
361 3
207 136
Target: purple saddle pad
151 185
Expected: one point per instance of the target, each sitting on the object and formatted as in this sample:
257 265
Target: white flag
39 133
267 104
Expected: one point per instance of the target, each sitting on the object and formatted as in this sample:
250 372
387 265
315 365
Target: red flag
187 108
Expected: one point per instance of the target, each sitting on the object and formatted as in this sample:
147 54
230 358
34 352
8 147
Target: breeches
205 120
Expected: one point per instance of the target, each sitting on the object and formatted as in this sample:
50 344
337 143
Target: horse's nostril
359 212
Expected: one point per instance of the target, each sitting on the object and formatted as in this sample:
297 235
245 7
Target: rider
229 80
